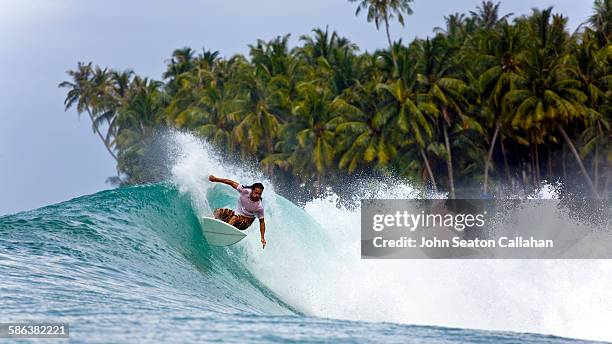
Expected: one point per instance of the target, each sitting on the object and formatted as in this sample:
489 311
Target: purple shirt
247 207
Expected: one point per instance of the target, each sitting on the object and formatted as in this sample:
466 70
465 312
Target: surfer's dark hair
254 185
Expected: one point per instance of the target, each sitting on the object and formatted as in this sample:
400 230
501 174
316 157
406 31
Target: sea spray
314 264
131 265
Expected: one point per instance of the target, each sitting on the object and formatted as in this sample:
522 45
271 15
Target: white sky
47 156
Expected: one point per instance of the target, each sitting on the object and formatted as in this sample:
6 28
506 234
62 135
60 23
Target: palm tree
332 56
208 58
601 20
277 73
137 120
323 110
84 91
308 142
487 15
382 11
259 125
263 107
317 113
206 101
446 92
366 139
115 95
547 96
408 109
413 116
502 55
590 65
220 114
454 24
320 45
269 58
182 61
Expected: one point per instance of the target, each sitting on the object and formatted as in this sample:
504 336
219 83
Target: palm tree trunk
388 34
390 44
506 166
269 145
534 181
537 165
579 160
596 162
563 163
596 167
97 130
110 151
428 168
550 170
449 163
489 156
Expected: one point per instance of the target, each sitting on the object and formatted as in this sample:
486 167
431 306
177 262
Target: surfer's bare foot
212 178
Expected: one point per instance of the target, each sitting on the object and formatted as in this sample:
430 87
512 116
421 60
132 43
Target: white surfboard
219 233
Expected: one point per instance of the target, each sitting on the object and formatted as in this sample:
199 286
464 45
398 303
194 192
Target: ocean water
131 265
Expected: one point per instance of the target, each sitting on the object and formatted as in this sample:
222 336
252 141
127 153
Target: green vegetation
486 102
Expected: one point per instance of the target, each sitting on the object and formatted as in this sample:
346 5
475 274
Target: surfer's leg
241 222
232 221
223 214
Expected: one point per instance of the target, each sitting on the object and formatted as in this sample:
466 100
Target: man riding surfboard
249 206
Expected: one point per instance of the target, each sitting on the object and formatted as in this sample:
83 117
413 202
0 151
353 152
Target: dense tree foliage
488 102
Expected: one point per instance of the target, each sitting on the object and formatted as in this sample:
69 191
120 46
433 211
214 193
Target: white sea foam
315 266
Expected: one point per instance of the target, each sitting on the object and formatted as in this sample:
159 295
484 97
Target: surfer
249 206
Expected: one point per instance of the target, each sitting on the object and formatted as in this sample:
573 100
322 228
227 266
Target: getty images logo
412 221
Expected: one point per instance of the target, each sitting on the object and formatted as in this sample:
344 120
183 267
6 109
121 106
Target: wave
141 247
313 263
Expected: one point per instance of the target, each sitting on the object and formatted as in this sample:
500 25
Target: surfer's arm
262 230
224 181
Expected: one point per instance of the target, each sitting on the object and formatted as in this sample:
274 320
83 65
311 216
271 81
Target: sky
48 155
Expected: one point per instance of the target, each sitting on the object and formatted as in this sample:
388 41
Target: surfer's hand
212 178
263 243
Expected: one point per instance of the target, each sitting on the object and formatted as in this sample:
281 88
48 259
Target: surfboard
219 233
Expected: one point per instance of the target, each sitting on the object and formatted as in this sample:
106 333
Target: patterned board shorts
225 215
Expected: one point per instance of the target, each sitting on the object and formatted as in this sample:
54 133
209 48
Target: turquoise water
131 265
